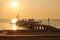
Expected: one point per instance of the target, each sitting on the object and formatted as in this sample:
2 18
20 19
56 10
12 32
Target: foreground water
5 24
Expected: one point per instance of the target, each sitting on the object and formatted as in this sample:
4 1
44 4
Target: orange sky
38 9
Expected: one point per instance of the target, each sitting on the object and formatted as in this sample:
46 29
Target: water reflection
14 27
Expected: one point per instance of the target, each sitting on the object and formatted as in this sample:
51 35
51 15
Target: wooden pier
34 25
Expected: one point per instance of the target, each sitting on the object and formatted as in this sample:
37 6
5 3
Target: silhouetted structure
34 25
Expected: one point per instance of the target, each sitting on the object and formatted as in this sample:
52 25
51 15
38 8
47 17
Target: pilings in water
34 25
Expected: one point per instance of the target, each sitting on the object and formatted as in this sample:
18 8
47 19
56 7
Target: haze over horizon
37 9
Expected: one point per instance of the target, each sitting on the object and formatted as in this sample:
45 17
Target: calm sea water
5 24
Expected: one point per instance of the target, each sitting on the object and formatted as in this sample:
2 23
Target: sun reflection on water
14 27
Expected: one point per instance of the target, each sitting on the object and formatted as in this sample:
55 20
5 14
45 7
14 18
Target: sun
14 4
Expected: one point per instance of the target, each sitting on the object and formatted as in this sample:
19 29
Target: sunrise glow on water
14 27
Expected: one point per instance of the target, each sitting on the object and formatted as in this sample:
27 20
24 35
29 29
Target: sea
5 24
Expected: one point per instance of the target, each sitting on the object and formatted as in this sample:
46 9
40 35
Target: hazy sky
39 9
